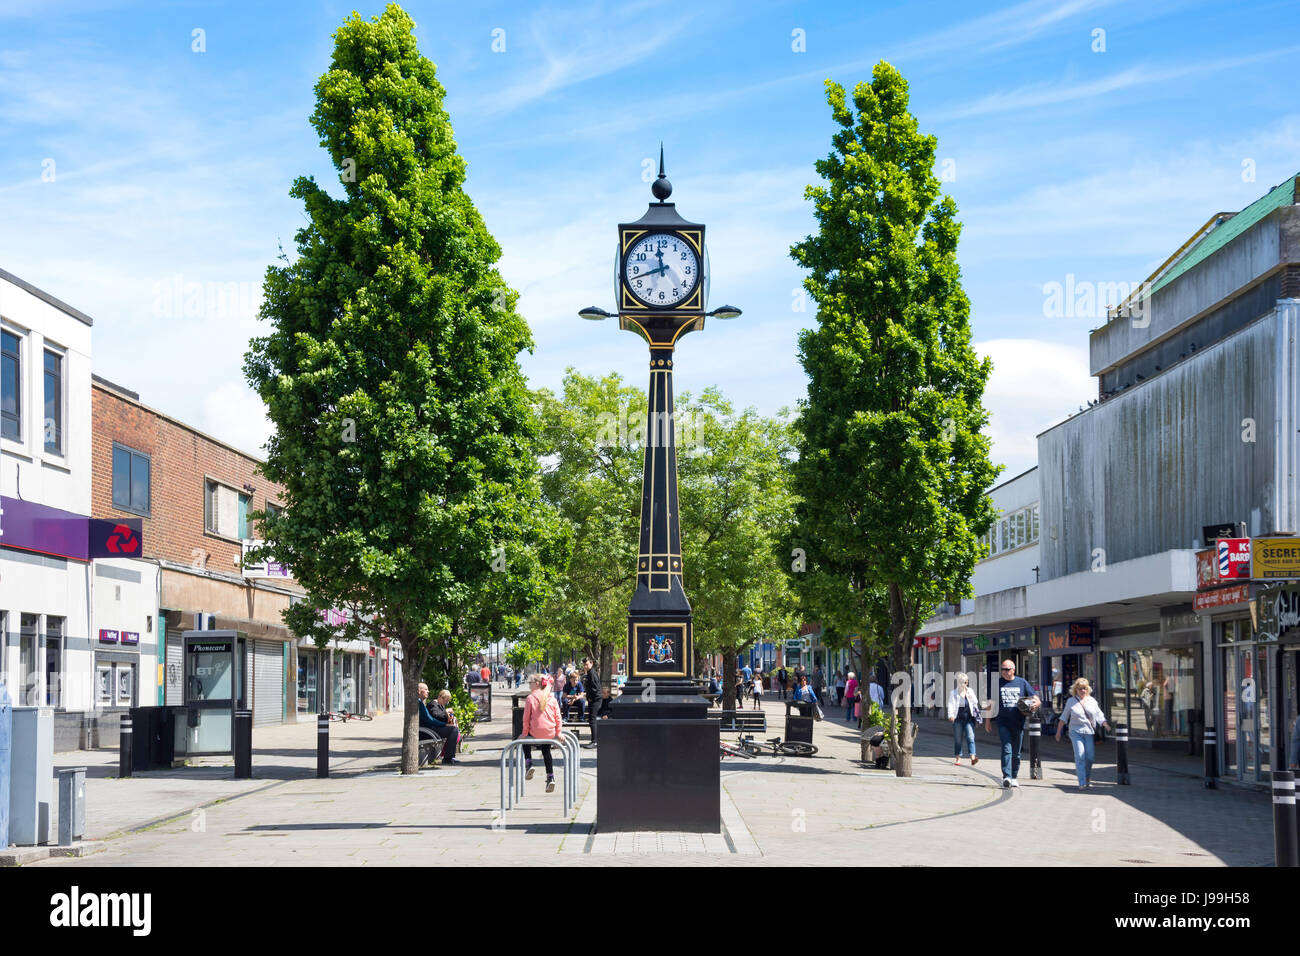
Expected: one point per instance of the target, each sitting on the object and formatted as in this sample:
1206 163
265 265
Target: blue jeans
1012 739
963 731
848 711
1083 754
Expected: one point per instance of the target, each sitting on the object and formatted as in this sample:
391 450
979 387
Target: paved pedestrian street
824 809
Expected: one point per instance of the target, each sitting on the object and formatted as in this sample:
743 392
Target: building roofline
46 297
135 396
125 395
1008 481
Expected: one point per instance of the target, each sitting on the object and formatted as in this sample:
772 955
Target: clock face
661 269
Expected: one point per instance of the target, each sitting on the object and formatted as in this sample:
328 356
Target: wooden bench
740 721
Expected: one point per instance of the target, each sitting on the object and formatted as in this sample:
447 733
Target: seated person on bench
440 720
605 699
575 700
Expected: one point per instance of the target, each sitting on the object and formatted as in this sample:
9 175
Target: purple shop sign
45 530
106 636
29 526
130 637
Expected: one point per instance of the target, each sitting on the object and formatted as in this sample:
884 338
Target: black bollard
1121 754
125 748
243 744
1035 764
1285 851
323 745
1211 758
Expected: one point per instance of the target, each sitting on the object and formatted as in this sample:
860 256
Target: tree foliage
403 427
736 509
893 463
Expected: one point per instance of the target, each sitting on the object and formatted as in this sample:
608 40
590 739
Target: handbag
817 711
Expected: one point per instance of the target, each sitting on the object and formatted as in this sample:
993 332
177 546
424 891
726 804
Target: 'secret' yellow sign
1275 558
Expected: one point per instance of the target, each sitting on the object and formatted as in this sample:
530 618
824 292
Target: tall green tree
893 463
591 447
736 509
403 425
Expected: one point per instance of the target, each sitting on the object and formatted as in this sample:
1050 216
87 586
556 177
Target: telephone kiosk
216 667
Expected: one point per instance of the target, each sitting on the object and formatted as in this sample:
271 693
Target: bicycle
734 750
778 748
345 715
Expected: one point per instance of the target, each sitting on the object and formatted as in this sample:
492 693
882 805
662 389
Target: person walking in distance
782 678
963 711
542 721
1011 720
850 696
1081 717
591 686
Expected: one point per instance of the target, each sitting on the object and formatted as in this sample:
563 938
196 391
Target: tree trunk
859 652
606 663
901 658
412 668
729 679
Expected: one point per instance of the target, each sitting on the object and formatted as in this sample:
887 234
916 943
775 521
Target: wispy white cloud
1033 97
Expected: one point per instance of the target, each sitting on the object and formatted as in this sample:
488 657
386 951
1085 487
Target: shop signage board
933 642
1221 597
1232 556
1207 571
1006 640
107 636
1276 557
1277 611
261 569
1074 637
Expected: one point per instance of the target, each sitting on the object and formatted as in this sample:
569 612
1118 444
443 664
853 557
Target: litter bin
516 716
798 729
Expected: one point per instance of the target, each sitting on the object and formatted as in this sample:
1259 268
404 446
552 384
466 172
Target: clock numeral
683 257
635 270
661 295
638 283
687 270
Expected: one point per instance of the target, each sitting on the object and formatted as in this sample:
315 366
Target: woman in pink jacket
541 720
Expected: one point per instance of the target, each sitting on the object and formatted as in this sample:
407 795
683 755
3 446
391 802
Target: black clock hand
651 272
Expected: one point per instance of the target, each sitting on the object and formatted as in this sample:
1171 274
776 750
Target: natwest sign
1232 559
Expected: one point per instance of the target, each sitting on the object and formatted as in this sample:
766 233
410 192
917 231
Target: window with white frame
53 421
225 510
11 385
1012 530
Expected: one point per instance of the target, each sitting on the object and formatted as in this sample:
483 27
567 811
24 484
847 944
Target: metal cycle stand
512 774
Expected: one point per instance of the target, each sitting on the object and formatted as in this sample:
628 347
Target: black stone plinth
679 700
659 775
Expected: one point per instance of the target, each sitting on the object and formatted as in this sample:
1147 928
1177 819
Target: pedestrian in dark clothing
1011 722
782 679
591 685
438 718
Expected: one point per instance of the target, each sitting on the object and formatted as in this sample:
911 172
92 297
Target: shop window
54 661
28 676
53 402
131 480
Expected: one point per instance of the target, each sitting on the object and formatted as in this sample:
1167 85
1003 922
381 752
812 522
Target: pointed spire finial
661 187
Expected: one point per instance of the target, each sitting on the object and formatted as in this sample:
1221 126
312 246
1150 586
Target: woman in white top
963 711
758 690
1081 717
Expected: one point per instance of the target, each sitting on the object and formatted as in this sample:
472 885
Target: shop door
174 693
1285 735
1247 729
268 682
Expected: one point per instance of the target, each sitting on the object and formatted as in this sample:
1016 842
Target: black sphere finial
661 187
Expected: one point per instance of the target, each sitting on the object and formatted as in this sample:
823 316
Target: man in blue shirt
1011 722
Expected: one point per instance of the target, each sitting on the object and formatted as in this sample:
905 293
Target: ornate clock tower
660 741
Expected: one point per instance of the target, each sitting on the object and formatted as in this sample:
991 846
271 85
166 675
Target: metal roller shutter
174 678
268 682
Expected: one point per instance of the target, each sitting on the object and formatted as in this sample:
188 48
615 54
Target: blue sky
131 165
